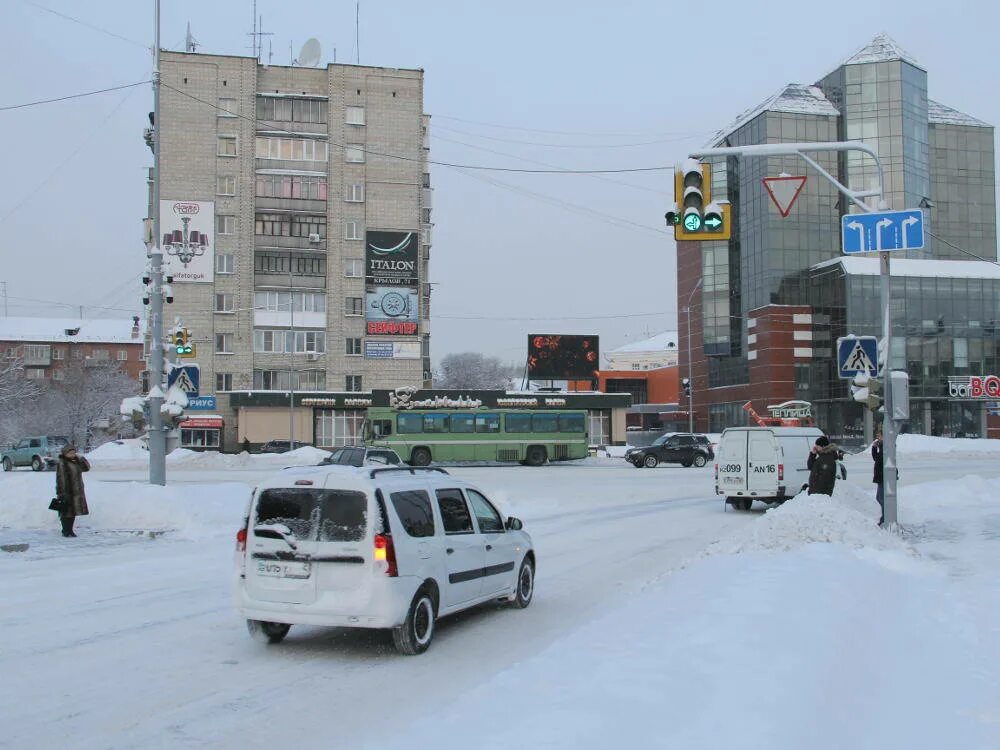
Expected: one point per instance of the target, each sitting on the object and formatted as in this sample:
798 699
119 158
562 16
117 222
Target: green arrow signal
714 222
692 222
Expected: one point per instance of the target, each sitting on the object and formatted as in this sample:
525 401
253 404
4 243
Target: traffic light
182 343
694 215
865 389
686 385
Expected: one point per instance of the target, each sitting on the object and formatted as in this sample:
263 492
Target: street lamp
690 377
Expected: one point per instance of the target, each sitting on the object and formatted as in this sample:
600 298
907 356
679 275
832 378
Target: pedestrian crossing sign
857 355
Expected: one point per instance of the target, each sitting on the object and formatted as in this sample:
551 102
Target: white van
392 547
764 463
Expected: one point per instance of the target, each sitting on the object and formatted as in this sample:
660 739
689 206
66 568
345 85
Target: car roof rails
411 469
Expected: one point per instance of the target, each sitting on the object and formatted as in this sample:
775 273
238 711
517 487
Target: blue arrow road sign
186 377
857 354
886 230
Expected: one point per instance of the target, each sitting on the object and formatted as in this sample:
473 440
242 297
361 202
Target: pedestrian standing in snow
246 444
822 464
69 487
878 474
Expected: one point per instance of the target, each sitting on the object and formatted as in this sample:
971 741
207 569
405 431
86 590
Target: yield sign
783 190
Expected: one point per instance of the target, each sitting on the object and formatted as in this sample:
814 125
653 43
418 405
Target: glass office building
934 157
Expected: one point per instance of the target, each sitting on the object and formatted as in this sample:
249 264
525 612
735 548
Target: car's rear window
315 514
414 510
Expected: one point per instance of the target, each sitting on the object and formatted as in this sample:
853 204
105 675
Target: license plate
276 569
731 480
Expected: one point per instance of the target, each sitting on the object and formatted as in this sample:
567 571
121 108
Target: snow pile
850 518
909 445
190 511
129 453
119 450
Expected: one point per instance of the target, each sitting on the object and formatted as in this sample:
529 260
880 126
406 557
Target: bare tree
472 370
17 395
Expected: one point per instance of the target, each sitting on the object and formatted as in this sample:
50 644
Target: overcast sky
572 83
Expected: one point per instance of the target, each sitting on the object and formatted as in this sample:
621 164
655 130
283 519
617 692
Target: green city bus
420 436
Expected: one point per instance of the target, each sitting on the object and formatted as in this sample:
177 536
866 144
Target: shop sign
974 386
791 410
402 398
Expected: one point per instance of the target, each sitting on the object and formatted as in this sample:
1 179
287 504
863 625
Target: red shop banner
390 328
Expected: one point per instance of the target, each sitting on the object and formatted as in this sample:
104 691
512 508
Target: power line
71 96
961 250
593 146
88 25
637 134
479 167
72 305
536 318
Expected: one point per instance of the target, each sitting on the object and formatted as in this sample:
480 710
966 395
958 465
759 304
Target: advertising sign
188 229
974 386
392 350
201 403
391 258
391 310
557 357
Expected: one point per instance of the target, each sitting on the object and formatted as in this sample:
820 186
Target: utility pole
291 359
690 378
157 437
3 285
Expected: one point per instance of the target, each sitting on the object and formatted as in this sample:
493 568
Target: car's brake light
241 539
781 472
716 471
386 552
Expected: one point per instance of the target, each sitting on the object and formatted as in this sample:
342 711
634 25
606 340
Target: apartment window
34 373
309 187
284 264
352 383
226 184
58 375
352 230
37 354
77 354
354 267
311 380
223 381
58 353
354 153
293 225
229 108
425 216
224 302
223 343
225 263
225 224
100 354
302 302
284 342
354 306
291 110
355 115
123 355
291 149
353 346
355 193
227 145
427 179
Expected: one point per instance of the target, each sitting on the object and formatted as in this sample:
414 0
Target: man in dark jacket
878 474
69 487
822 464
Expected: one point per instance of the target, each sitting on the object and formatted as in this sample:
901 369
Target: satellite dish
310 53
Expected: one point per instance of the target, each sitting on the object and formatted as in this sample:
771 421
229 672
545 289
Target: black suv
673 448
358 455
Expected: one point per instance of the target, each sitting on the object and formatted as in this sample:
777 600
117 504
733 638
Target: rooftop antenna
190 43
310 54
357 30
256 43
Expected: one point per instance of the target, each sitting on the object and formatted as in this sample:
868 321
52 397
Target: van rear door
763 457
732 462
344 538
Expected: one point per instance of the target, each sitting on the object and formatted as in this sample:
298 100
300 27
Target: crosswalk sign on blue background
885 230
857 354
186 378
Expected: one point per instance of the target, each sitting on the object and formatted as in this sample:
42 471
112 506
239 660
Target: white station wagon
393 547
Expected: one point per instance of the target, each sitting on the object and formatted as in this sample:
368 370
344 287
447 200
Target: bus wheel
535 455
420 457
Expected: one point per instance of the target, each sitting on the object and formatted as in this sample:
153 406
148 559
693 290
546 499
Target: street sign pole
857 197
157 436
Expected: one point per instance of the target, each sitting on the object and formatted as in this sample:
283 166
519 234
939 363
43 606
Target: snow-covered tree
472 370
17 396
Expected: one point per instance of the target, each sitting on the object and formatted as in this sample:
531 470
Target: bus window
463 422
487 423
518 423
571 423
435 422
409 423
544 422
382 427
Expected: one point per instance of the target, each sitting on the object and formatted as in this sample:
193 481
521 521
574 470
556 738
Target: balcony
262 241
37 356
300 205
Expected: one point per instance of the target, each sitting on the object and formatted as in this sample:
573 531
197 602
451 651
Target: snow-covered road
119 640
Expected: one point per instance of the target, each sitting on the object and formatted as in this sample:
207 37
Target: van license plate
731 480
283 569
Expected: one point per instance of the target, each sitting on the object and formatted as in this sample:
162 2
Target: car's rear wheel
7 465
746 503
699 460
415 634
420 457
525 584
271 632
650 461
37 464
535 455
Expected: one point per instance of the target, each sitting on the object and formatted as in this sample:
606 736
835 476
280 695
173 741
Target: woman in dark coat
822 465
69 487
878 474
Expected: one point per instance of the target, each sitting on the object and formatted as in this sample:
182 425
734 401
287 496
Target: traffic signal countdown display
694 216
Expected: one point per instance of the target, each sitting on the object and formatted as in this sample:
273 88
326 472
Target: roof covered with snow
53 330
796 98
916 267
660 343
940 114
882 48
